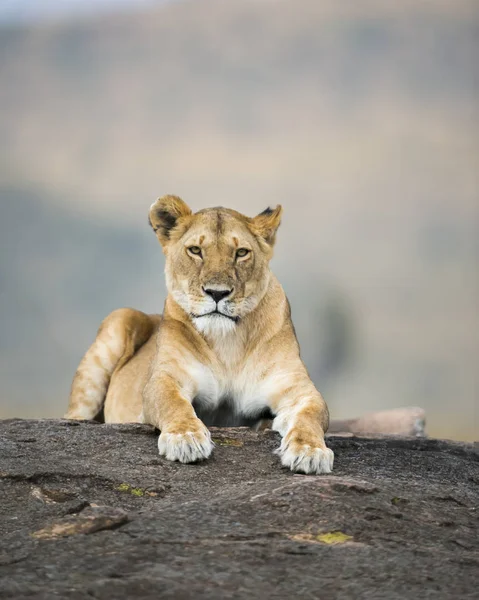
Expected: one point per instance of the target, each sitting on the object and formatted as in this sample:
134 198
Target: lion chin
224 348
215 324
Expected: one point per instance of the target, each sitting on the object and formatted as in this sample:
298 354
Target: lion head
217 260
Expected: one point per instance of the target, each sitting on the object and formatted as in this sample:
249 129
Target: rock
409 421
90 510
90 520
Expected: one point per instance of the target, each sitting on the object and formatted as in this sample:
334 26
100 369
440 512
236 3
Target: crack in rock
90 520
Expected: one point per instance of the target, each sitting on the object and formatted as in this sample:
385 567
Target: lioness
223 353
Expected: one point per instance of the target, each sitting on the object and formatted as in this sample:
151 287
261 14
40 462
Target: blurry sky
24 11
360 118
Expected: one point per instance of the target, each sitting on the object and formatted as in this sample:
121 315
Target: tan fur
168 370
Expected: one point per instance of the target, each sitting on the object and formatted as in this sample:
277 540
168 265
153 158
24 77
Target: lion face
217 260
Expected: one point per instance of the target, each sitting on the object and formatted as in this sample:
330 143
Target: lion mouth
216 312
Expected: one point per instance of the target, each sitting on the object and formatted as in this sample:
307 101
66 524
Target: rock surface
90 511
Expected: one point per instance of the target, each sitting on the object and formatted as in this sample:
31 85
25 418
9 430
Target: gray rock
91 511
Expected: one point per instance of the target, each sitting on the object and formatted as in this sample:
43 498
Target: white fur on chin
215 325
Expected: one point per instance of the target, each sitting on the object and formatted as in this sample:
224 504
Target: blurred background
361 118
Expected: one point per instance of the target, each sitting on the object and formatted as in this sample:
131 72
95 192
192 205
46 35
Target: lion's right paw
188 447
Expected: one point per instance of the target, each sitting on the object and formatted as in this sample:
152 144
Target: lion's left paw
311 459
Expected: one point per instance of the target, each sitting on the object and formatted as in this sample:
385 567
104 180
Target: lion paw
310 459
187 447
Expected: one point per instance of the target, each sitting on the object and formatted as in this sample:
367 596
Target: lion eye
195 250
241 252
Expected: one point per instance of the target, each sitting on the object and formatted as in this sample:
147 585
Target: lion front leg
183 436
302 421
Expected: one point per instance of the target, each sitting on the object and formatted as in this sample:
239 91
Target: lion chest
230 397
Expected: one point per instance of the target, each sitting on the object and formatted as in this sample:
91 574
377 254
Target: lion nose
217 295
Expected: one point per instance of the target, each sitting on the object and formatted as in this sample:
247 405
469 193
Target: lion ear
166 214
266 223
